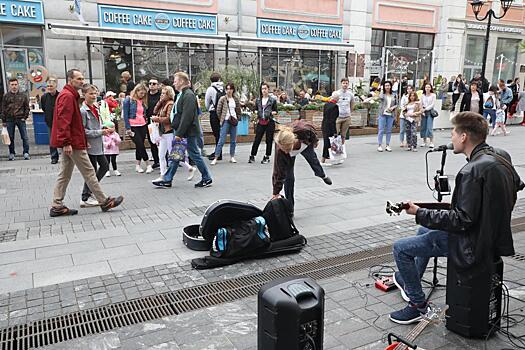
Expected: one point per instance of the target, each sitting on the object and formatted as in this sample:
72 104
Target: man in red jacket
68 133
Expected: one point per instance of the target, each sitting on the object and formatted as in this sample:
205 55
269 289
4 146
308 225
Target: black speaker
474 303
290 315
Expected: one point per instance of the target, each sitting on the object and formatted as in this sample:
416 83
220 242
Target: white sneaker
90 202
232 160
149 169
431 145
191 173
138 169
380 149
326 164
214 161
160 178
108 174
117 173
388 149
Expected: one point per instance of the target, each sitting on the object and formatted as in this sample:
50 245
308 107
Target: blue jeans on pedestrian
226 129
195 154
402 130
21 124
492 114
385 123
427 125
52 150
412 255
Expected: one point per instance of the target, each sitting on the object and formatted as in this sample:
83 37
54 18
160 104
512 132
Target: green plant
245 80
313 107
359 106
287 107
360 89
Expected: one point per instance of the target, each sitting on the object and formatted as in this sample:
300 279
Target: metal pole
500 65
386 65
331 63
485 50
65 68
227 51
90 67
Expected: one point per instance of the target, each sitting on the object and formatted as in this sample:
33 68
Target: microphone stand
438 187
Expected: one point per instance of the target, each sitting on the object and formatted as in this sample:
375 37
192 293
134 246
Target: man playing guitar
476 227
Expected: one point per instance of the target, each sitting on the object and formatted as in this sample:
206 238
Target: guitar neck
435 205
412 335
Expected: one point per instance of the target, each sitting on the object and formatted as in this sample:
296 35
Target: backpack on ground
240 239
218 95
278 214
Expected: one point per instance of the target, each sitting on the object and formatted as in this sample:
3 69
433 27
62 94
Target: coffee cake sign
299 31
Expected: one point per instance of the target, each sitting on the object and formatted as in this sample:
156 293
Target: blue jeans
21 124
195 154
412 255
401 130
427 125
226 129
385 123
492 114
52 150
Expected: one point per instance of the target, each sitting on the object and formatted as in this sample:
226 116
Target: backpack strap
294 229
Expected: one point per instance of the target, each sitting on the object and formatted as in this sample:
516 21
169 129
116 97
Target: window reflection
509 49
118 58
149 60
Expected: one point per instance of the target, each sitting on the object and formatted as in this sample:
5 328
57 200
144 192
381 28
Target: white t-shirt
231 109
295 152
344 103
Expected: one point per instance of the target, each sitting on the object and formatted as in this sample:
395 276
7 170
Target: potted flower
313 112
359 115
287 113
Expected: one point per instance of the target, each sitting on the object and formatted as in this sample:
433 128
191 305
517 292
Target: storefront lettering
303 31
149 19
18 10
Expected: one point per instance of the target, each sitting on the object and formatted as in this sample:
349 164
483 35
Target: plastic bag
154 133
178 149
337 150
5 137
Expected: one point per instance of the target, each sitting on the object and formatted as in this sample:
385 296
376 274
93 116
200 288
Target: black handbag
232 120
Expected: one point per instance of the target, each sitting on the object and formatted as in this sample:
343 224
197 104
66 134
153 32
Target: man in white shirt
345 104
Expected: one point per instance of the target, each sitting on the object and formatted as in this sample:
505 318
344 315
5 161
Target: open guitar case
223 213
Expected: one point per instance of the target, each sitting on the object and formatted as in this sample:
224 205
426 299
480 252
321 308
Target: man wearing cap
48 106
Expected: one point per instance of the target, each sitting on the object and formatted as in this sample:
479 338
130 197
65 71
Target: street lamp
476 8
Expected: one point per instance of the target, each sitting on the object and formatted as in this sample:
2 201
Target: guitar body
392 346
397 208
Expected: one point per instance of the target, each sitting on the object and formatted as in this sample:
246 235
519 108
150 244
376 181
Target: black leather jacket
478 222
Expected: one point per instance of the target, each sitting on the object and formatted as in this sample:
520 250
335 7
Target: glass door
16 66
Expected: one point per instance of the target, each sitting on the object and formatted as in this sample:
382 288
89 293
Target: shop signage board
156 20
299 31
495 28
22 11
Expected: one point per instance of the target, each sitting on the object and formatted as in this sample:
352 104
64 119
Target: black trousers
455 98
138 140
311 158
100 162
154 148
260 130
215 124
112 159
326 147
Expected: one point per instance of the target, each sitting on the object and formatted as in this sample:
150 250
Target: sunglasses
152 83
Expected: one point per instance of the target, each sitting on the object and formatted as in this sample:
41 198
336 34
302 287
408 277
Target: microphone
442 148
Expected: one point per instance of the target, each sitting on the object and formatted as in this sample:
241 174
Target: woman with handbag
266 110
385 121
163 114
428 100
472 100
229 112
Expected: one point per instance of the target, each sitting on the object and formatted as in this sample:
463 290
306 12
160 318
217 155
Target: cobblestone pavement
52 267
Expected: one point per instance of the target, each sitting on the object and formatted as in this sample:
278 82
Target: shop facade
22 45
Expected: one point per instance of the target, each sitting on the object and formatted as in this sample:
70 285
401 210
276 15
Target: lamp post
476 8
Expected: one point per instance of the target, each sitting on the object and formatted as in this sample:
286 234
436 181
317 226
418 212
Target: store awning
115 33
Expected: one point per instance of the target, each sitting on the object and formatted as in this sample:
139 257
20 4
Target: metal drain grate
93 321
347 191
7 171
518 257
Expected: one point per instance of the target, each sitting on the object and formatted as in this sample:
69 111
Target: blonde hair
169 92
182 76
140 86
285 138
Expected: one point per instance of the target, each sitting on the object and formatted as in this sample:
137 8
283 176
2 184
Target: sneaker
252 159
232 160
203 183
388 149
117 173
108 174
410 314
160 178
62 211
88 203
400 284
506 133
326 164
219 157
191 173
111 203
11 156
149 169
211 156
431 146
138 169
327 180
26 156
162 183
214 161
54 161
155 165
409 149
414 150
380 149
265 160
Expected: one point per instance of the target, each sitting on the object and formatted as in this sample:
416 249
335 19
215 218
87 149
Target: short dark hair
501 81
71 73
167 82
215 77
344 79
472 124
493 88
230 86
12 80
389 83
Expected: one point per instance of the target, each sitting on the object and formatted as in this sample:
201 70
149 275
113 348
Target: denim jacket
129 110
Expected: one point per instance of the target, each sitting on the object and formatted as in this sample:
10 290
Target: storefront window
178 58
473 56
269 66
118 58
402 39
505 68
21 36
201 58
150 61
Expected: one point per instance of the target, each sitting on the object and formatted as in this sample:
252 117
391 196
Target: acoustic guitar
397 208
434 315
